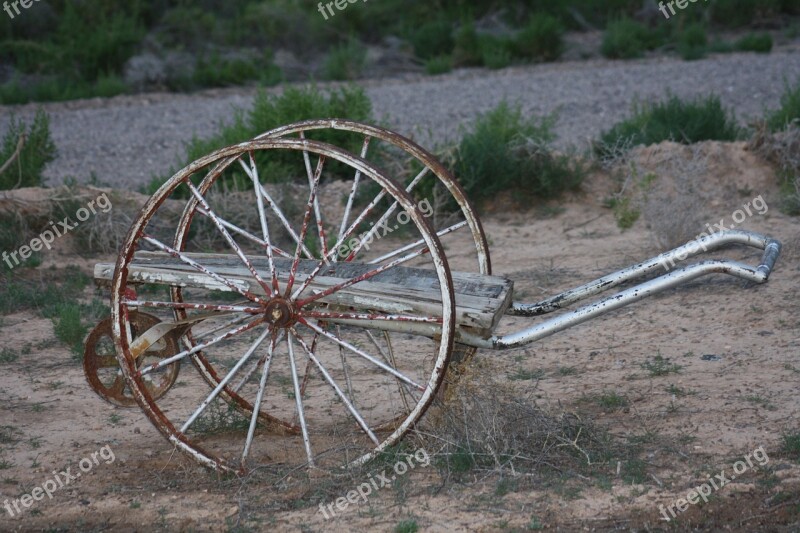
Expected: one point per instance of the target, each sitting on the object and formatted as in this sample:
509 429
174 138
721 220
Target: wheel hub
280 313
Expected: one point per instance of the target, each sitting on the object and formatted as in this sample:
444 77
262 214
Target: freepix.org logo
48 236
12 8
14 507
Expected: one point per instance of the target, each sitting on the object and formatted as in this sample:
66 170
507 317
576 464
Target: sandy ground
737 347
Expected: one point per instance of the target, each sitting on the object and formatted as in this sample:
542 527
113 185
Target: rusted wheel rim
395 152
294 320
112 387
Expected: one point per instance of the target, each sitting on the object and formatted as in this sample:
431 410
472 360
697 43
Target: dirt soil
729 350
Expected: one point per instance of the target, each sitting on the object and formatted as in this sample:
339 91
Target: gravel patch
125 141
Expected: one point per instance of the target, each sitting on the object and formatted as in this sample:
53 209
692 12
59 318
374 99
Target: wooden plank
480 300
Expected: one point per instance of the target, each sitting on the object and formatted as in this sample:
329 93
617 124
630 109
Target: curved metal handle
759 274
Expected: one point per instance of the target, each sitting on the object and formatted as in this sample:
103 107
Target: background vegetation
60 50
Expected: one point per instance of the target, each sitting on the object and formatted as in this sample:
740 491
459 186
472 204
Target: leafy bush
506 151
69 328
97 41
627 39
625 214
790 108
755 42
432 39
495 52
37 150
439 65
345 62
692 42
739 13
672 120
270 111
467 47
219 72
542 39
56 89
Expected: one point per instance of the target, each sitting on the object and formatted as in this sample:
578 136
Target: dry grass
490 427
782 149
666 185
675 209
102 233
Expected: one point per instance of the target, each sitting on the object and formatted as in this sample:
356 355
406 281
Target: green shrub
467 47
625 213
432 39
791 445
505 151
45 294
38 150
108 86
542 39
69 328
790 191
672 120
755 42
627 39
719 46
406 526
270 111
57 89
216 71
439 65
97 40
789 111
495 52
345 62
739 13
692 42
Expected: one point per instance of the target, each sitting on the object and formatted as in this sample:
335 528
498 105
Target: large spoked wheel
274 323
423 176
431 185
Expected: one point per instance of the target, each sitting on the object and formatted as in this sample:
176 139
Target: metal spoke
220 327
359 219
247 235
201 346
256 364
324 315
323 244
237 250
401 387
451 229
194 264
304 228
362 240
262 215
352 196
363 354
278 213
332 383
359 279
299 402
259 397
200 307
307 372
308 280
343 358
221 385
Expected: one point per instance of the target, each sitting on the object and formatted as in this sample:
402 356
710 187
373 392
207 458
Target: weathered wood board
480 300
